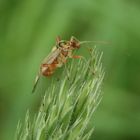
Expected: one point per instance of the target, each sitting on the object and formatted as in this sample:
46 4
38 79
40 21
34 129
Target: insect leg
81 57
70 55
77 56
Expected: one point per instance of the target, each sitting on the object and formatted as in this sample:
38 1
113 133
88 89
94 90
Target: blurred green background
28 29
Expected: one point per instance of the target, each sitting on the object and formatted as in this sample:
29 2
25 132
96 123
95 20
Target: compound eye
62 43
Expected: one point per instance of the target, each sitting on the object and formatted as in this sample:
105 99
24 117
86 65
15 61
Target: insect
58 56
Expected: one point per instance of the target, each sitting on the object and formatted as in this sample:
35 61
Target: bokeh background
28 29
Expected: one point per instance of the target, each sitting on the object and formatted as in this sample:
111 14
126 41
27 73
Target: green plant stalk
68 104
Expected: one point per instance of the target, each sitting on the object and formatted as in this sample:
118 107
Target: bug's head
74 43
70 45
60 43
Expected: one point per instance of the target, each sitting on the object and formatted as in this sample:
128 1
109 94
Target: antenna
98 42
84 42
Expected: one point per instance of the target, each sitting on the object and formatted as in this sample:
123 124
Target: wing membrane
52 56
48 60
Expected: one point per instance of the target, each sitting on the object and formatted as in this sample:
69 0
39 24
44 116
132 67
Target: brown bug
58 56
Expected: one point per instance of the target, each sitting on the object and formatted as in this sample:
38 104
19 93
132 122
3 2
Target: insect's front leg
77 56
61 60
70 55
